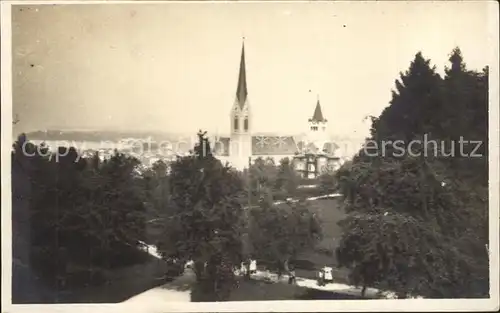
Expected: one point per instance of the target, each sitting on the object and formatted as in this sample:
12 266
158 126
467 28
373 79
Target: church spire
318 115
241 92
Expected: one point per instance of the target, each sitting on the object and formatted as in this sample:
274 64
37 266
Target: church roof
318 115
241 91
274 145
262 145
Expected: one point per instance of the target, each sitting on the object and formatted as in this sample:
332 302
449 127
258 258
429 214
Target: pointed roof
241 92
318 115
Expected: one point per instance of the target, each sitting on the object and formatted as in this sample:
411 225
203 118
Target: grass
120 284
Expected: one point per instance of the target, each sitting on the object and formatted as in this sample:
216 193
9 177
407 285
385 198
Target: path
313 284
179 290
173 292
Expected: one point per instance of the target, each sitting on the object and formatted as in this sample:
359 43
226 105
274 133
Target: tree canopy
279 233
207 219
418 224
75 212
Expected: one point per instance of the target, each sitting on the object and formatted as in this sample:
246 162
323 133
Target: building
312 152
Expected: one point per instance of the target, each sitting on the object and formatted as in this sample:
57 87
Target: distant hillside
97 135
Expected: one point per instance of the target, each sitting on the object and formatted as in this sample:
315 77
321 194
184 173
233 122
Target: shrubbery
75 216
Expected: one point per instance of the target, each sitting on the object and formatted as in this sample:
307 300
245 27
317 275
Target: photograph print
203 152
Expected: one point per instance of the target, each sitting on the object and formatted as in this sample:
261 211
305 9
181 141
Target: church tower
241 135
317 126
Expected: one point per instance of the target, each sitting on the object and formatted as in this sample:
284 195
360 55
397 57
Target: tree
267 180
262 176
327 183
73 212
287 180
22 276
465 99
157 195
120 199
418 225
392 239
279 233
417 93
207 221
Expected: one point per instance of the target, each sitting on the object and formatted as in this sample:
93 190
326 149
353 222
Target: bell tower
317 132
241 135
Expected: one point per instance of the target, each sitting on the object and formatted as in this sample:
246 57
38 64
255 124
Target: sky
174 67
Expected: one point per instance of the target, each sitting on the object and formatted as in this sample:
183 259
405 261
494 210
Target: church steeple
318 115
240 148
241 91
240 113
317 123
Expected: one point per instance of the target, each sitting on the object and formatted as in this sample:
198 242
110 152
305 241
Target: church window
246 124
236 124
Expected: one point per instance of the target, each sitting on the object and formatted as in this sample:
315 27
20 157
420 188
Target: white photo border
427 305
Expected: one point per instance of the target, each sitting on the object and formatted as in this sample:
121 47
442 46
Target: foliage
327 183
287 180
278 233
157 195
75 212
269 181
207 216
417 92
419 225
398 240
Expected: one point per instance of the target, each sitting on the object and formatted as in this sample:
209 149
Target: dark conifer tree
418 225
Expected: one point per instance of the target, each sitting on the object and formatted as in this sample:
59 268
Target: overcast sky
174 67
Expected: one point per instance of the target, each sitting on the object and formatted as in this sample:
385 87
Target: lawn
120 284
330 213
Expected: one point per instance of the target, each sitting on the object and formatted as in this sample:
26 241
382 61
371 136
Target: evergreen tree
417 91
418 225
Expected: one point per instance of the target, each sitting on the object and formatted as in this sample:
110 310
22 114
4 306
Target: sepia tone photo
160 153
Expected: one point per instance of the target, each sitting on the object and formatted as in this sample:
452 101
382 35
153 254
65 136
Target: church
311 152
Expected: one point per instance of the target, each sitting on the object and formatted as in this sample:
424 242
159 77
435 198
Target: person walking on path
321 277
253 266
291 277
280 269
